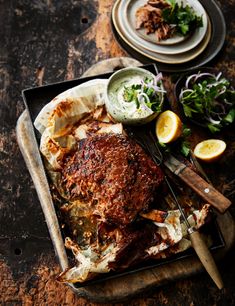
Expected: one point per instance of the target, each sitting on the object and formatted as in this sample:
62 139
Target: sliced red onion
218 76
144 106
158 78
205 74
183 92
189 79
215 83
159 89
212 120
197 76
226 102
142 86
141 97
221 92
156 88
153 84
216 115
220 105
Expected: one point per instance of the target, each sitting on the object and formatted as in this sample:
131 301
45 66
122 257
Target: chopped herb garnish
148 93
182 144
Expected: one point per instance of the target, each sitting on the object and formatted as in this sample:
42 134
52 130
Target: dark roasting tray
35 99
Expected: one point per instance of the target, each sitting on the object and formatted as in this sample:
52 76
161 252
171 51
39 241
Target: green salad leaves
182 17
208 99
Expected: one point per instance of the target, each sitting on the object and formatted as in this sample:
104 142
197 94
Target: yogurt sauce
121 110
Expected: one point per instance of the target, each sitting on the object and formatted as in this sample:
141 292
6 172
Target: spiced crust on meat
114 174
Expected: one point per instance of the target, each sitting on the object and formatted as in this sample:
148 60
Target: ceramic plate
214 46
164 58
126 16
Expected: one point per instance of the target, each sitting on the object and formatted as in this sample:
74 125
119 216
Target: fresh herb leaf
184 28
229 118
214 127
185 148
184 18
188 110
165 147
186 131
172 3
128 94
147 80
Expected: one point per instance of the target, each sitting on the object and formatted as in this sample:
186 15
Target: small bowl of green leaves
207 98
134 95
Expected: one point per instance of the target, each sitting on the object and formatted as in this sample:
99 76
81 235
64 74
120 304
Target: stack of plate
176 50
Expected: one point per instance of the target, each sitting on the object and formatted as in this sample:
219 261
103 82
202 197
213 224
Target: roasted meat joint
114 175
107 190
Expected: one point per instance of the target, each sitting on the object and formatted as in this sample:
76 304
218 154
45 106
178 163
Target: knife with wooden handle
199 244
207 192
197 183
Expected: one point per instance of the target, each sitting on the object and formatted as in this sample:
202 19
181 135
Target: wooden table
44 42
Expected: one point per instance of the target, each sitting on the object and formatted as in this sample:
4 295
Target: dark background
43 42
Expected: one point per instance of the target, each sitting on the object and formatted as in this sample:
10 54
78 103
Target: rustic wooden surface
50 41
123 288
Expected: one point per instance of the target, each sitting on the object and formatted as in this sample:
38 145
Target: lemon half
209 150
168 127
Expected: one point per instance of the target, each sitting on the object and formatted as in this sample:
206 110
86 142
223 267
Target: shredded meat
161 4
163 32
114 174
149 16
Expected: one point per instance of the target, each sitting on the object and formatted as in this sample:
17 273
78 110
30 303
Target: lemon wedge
168 127
209 150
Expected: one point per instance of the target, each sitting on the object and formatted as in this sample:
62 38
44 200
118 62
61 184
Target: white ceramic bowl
127 112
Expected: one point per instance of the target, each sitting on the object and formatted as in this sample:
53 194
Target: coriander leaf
230 116
136 86
128 94
171 2
186 131
188 110
184 28
214 127
147 80
162 144
185 148
165 147
150 92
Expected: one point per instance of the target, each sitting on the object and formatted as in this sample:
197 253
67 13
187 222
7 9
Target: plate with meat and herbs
114 210
148 49
163 27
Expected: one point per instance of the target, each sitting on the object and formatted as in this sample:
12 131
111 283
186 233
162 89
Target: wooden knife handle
206 258
205 190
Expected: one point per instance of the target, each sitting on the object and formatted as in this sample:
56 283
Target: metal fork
147 141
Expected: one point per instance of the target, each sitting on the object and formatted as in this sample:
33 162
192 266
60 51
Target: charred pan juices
106 187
